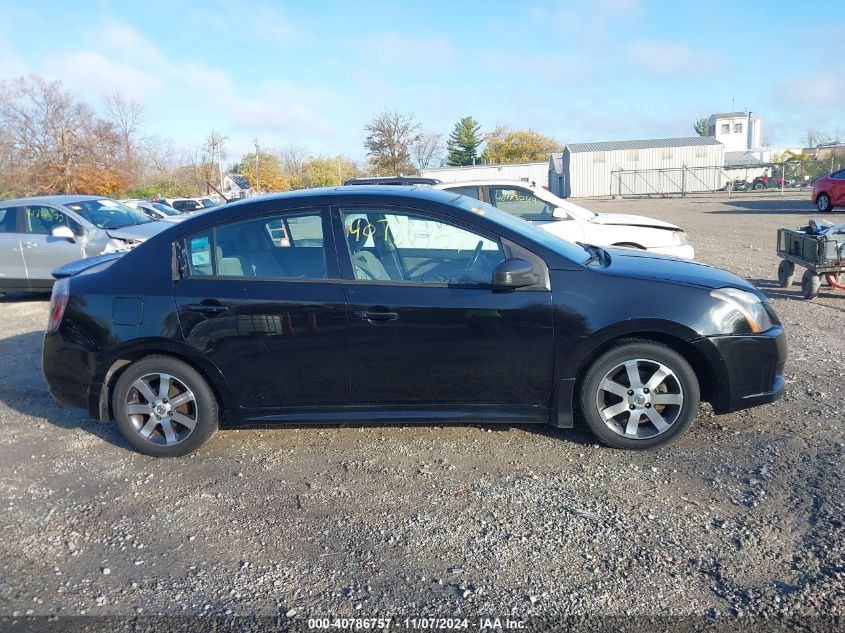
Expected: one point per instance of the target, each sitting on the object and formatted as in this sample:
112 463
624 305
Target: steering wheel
475 255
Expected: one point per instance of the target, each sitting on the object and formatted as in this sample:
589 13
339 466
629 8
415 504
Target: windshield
569 250
166 210
108 214
208 203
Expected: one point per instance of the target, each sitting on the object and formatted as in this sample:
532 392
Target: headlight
115 245
746 304
680 238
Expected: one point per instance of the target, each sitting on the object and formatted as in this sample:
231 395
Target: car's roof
354 191
482 182
60 199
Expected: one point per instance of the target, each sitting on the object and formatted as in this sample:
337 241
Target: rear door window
288 246
520 203
8 220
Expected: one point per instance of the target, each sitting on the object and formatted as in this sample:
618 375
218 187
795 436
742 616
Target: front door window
521 203
387 245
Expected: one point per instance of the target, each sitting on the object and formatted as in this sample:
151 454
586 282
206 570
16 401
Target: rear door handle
381 317
211 309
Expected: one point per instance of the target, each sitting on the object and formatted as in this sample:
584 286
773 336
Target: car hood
139 232
631 220
647 265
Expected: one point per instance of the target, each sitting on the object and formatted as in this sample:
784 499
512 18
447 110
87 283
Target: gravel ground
741 517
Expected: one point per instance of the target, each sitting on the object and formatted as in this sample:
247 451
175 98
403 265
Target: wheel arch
677 338
110 369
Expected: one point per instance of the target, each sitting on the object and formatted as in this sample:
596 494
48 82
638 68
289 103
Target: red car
829 192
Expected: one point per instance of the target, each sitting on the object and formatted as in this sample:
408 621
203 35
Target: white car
573 223
156 210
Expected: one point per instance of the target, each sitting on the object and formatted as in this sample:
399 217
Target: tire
759 186
607 385
810 284
151 422
823 203
786 273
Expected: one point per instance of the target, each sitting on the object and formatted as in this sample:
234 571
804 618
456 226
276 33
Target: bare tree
128 117
55 144
428 150
389 138
293 159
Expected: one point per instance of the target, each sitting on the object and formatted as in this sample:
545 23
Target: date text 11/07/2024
414 623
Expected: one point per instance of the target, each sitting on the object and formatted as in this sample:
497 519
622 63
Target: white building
538 173
639 167
737 131
236 186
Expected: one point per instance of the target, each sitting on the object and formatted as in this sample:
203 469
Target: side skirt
403 414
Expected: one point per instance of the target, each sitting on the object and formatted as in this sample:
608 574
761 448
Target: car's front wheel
639 395
823 203
164 407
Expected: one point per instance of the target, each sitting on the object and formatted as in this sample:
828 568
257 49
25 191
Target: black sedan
400 304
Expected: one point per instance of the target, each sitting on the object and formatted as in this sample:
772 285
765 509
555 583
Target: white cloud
661 59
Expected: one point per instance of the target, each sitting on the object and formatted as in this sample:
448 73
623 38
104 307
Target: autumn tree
464 142
505 146
390 136
428 150
270 173
702 126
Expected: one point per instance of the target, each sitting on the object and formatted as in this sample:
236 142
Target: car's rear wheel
639 395
823 203
164 407
786 273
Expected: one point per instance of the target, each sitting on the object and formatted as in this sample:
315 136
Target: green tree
327 171
464 141
506 146
389 139
702 126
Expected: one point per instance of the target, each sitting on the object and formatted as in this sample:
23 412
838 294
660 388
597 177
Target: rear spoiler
74 268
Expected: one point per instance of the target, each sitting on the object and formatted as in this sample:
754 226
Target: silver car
38 235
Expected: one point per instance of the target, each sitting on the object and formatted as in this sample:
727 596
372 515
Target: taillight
58 303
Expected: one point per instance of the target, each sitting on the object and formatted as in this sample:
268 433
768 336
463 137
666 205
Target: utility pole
257 172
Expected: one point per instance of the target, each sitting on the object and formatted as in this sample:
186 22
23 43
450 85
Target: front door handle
30 244
378 317
210 309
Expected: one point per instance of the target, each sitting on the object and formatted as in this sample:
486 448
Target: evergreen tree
464 141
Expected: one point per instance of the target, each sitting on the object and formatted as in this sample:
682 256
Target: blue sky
312 73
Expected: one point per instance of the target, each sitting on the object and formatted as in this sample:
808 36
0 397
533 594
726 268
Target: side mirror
64 232
560 213
514 273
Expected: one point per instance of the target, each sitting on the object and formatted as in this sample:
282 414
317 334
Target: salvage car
400 304
574 223
37 235
156 210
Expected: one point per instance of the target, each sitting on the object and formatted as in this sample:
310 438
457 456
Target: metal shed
537 173
638 167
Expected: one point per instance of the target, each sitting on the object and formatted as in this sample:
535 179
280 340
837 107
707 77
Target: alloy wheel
161 408
640 398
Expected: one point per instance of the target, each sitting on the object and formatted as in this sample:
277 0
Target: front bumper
684 252
748 368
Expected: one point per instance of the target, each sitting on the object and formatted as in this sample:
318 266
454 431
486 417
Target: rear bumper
749 368
68 369
684 252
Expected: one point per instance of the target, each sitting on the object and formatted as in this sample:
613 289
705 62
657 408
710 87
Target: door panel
42 252
268 312
277 343
12 268
449 345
